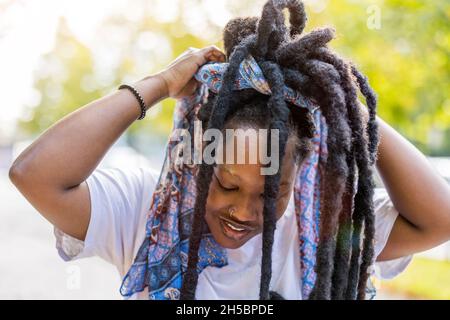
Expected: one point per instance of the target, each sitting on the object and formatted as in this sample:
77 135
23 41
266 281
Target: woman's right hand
179 75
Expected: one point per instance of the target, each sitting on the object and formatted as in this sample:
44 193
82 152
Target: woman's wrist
152 89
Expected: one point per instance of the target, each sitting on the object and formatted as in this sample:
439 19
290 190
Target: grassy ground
423 279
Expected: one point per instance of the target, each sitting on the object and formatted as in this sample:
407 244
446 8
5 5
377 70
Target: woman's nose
245 212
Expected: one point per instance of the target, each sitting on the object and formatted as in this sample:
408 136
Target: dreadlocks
306 64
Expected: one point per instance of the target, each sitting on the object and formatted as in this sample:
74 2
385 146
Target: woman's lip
238 225
233 234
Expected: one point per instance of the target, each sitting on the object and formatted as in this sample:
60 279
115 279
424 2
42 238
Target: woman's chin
226 243
229 241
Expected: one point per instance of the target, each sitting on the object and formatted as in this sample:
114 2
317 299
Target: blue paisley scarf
162 258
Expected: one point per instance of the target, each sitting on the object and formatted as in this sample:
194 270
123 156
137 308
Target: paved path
30 267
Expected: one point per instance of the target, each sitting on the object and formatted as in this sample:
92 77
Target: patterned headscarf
162 258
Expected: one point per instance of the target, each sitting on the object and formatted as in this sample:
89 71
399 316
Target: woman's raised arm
418 192
51 172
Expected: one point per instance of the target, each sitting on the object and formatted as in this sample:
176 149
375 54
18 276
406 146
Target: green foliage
59 82
406 60
423 279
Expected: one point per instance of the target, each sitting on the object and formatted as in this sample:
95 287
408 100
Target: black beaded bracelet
138 97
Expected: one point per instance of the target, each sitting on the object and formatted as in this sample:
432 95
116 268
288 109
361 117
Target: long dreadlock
305 64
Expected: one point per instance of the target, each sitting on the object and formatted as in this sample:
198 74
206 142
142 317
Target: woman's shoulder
138 179
120 198
118 193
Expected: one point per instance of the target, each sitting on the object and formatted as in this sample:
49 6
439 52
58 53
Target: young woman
226 231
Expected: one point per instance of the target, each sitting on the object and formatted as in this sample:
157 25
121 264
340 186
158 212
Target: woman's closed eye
223 187
282 192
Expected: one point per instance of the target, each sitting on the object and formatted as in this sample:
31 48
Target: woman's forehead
247 146
251 173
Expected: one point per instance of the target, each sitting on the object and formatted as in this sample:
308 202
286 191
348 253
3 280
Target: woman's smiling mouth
233 230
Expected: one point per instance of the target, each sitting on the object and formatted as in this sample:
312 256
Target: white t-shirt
120 199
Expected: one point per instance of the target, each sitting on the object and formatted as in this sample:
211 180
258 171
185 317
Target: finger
188 52
219 56
213 53
215 50
191 49
215 58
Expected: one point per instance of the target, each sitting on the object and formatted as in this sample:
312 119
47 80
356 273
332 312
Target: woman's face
240 187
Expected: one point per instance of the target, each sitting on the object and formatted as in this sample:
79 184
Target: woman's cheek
214 201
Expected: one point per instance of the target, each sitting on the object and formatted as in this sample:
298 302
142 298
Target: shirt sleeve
120 199
385 216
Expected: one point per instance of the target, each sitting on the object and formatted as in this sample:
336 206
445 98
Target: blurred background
56 56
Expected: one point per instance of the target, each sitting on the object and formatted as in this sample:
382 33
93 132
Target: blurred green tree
403 46
61 81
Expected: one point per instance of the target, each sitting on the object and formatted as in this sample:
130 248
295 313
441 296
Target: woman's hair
253 113
306 64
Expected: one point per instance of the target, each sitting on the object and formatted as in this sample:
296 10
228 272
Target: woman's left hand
178 76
